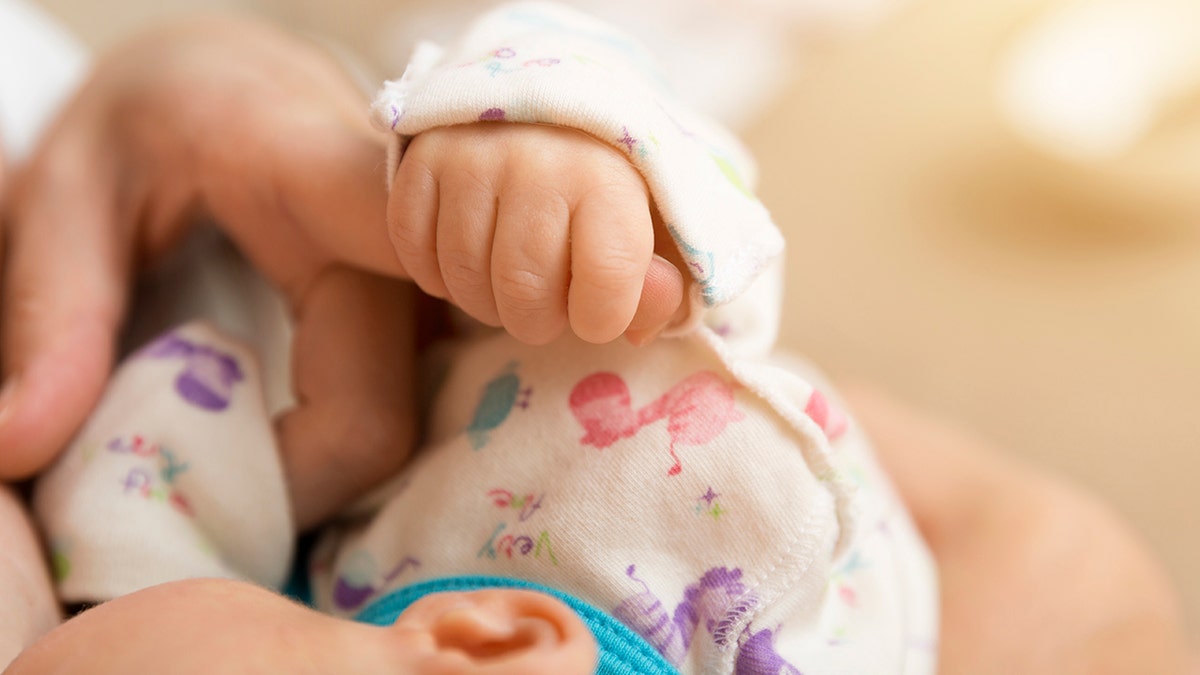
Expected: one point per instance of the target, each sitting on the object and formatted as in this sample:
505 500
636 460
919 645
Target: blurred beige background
1051 302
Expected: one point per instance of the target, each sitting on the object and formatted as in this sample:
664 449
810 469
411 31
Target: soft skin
533 228
201 626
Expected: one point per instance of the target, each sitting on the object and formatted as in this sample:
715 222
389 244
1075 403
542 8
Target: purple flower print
669 634
716 599
208 376
713 603
492 115
705 604
757 656
357 581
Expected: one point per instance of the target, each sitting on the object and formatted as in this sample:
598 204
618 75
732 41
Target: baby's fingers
412 217
531 263
612 240
662 296
466 224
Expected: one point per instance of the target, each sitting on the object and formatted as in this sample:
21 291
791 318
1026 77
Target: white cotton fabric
690 493
728 58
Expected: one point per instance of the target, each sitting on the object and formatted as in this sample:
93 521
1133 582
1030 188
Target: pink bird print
697 410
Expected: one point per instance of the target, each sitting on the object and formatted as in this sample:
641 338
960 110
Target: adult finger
64 294
354 423
336 184
612 241
266 132
531 256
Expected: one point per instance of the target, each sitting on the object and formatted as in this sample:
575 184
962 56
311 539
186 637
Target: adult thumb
65 281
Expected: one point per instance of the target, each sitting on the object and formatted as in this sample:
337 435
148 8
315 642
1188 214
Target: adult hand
259 131
29 609
1036 576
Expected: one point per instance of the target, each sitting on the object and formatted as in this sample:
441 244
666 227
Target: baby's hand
532 227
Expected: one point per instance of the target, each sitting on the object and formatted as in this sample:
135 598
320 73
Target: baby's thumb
662 296
64 294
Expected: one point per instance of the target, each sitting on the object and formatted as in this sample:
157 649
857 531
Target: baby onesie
691 495
713 499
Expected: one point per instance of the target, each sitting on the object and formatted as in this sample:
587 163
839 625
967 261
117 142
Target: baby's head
204 625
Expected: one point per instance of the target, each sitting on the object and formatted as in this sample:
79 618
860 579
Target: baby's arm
27 605
537 164
532 228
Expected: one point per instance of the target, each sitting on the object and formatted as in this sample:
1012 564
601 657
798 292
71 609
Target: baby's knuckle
544 198
613 268
535 163
460 269
613 176
409 245
417 165
470 173
524 293
415 179
608 193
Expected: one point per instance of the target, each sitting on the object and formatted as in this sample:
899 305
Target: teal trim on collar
622 652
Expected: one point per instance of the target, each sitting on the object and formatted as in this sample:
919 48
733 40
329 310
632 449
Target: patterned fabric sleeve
545 64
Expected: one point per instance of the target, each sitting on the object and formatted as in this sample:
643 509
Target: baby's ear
503 632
